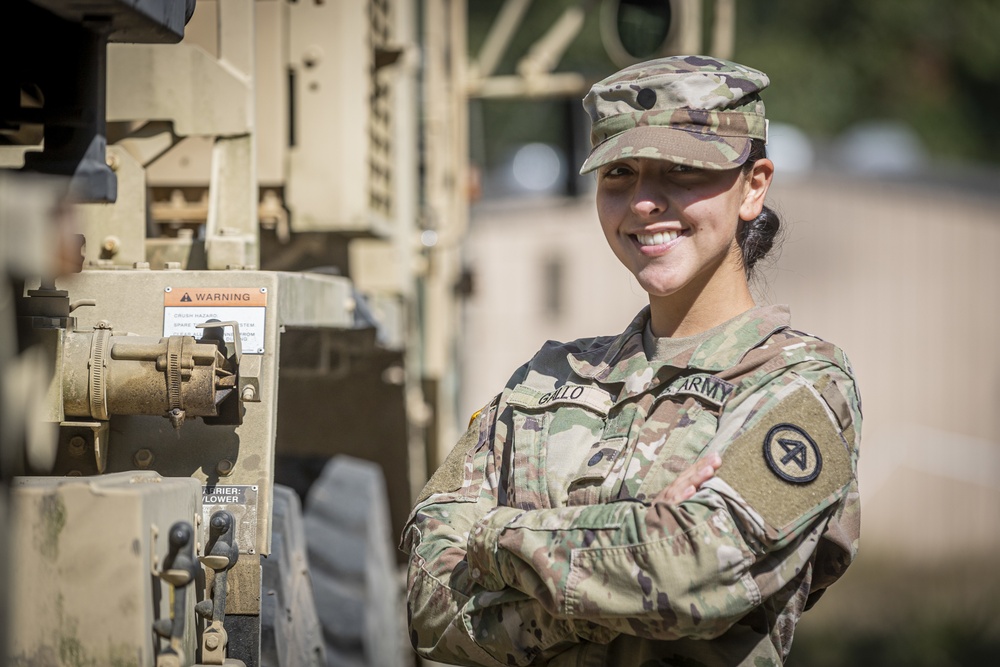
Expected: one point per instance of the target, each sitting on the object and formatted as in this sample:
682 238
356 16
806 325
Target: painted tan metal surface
324 191
113 238
201 450
89 551
198 116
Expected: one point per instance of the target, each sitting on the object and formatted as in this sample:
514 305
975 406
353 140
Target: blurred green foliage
944 644
931 64
905 609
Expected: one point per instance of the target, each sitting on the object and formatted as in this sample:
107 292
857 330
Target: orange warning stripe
215 296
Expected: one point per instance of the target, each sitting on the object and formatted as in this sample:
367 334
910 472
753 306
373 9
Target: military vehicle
231 245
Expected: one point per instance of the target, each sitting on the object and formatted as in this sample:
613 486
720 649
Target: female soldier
680 493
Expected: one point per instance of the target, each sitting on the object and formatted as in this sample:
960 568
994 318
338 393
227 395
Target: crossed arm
455 617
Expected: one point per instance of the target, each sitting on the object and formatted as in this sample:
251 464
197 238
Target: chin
659 286
659 290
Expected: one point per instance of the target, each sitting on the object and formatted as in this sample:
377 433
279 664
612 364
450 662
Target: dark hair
756 237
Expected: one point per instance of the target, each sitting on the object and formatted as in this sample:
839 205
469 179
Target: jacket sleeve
666 571
450 616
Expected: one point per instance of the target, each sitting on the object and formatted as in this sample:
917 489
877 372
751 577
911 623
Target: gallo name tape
186 307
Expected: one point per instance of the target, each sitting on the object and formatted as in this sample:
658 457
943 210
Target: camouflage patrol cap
692 110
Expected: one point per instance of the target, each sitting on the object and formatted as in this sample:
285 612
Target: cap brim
656 142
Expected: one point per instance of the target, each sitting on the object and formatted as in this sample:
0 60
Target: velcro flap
450 476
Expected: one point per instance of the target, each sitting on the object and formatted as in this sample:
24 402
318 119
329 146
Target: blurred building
903 274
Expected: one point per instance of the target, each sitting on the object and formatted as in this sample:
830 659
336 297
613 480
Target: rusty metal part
133 375
98 368
243 585
143 458
77 445
98 436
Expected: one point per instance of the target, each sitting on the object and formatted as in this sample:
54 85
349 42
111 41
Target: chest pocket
689 410
556 444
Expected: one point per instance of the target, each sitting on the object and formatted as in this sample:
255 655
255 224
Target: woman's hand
689 481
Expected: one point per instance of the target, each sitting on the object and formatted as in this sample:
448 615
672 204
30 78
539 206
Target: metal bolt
76 445
212 642
249 393
111 245
224 468
74 473
112 161
143 458
312 56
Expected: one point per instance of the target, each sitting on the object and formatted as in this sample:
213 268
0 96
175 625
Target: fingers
705 469
702 470
686 493
690 480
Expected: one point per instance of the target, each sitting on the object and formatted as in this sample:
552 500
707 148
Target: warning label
238 499
216 494
186 307
217 296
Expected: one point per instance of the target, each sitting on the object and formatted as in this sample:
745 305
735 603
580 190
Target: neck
700 307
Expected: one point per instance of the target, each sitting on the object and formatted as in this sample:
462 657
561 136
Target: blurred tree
932 65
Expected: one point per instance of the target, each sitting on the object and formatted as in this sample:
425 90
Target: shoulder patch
791 464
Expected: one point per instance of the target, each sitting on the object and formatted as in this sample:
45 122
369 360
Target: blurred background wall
889 187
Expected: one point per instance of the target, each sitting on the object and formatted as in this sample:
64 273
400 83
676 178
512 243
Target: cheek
716 219
609 217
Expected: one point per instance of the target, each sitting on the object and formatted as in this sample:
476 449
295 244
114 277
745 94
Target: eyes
624 169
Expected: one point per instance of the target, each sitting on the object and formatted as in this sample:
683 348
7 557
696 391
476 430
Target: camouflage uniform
542 539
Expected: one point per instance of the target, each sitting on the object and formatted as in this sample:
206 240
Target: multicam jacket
543 538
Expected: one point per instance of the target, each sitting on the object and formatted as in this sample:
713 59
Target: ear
758 180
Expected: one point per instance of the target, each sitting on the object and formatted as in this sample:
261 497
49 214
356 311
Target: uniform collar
624 359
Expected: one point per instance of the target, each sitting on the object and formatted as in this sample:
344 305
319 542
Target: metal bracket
237 341
100 431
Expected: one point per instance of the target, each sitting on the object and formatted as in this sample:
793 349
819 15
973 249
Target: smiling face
674 227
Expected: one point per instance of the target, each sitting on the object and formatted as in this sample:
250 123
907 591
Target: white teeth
656 239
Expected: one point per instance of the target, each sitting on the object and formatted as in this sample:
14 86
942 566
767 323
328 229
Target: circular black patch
792 454
646 98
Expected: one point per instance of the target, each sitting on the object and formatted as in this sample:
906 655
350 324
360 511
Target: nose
648 199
